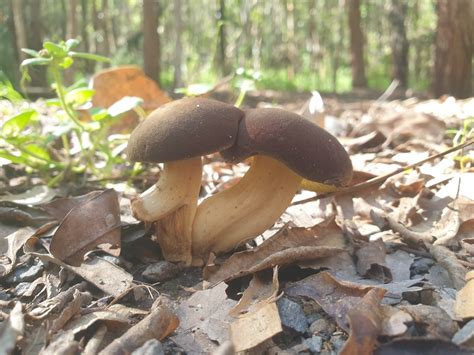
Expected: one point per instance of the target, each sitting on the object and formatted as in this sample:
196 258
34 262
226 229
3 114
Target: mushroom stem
229 218
171 204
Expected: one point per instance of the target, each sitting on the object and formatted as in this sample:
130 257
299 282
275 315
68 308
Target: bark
357 44
222 40
454 48
178 51
20 30
399 41
151 40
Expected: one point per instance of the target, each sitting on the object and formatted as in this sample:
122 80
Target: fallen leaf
419 345
254 328
261 290
15 242
64 344
365 322
287 246
433 320
371 261
395 321
465 336
464 306
93 345
160 323
60 207
35 196
448 260
11 329
205 314
336 297
88 225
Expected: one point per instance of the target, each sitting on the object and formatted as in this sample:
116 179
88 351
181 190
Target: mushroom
286 149
178 134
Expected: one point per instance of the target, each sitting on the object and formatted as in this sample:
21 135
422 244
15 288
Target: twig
448 260
409 236
380 179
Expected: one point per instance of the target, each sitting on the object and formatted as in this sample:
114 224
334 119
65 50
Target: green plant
460 136
66 144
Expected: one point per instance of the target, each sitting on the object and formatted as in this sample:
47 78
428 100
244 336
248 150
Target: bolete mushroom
178 134
286 149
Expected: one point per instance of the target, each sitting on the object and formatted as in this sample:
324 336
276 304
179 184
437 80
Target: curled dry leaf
92 223
448 260
365 321
436 322
254 328
371 261
394 321
336 297
15 242
60 207
287 246
11 329
261 290
464 306
419 345
160 323
35 196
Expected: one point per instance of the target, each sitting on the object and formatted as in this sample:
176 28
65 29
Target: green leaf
53 102
123 105
35 61
71 43
55 50
79 96
30 52
15 159
38 151
66 62
97 58
16 124
98 114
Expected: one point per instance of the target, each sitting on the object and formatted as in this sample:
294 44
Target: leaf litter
384 266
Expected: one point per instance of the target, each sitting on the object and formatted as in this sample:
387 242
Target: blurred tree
151 40
178 52
71 32
398 41
454 48
20 29
222 40
357 44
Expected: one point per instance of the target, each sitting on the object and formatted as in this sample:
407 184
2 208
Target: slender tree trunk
454 48
151 40
103 27
95 45
290 38
107 26
357 44
178 50
222 40
20 30
399 41
86 44
71 32
35 40
338 46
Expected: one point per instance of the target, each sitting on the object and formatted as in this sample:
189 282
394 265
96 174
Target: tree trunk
151 40
222 40
35 40
103 27
95 45
399 41
88 64
290 38
71 32
107 26
178 50
357 44
20 30
454 48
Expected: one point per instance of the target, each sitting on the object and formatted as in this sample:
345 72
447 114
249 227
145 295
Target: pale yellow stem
231 217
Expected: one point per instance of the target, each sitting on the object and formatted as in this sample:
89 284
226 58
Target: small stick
380 179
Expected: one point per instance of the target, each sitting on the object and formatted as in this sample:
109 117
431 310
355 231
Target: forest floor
384 266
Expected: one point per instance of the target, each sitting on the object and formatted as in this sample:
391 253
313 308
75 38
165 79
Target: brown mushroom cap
184 129
304 147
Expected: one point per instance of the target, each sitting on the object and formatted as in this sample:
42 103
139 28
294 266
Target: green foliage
72 146
462 135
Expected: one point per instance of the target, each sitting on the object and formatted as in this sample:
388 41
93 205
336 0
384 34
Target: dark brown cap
304 147
184 129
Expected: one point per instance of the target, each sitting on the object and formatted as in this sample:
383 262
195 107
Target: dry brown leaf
464 306
60 207
371 261
86 226
15 242
254 328
126 81
287 246
108 317
436 322
448 260
365 321
262 289
93 345
336 297
11 329
64 344
420 345
160 323
394 321
35 196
